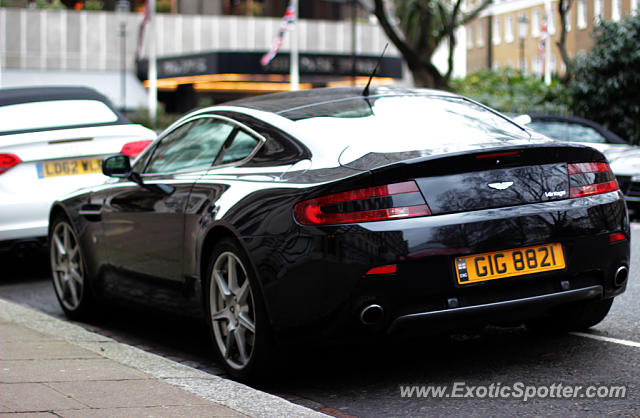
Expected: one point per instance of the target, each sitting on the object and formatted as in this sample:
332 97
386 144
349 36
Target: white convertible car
53 141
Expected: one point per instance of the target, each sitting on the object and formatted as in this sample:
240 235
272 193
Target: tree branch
564 7
404 48
468 17
451 25
364 6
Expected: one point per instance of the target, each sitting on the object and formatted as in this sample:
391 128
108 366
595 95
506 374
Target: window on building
479 33
553 64
535 23
582 14
508 28
495 32
597 11
551 22
633 6
615 10
469 29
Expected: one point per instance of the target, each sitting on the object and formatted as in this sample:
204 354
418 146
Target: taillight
498 154
586 179
388 269
379 203
617 236
133 149
8 161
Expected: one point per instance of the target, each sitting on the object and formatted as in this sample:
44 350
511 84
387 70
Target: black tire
575 316
69 271
236 316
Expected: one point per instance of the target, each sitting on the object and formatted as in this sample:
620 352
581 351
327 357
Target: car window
567 131
243 144
192 146
53 114
399 124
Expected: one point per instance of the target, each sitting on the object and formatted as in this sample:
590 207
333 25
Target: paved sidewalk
50 367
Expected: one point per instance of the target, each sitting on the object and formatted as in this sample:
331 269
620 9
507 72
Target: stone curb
229 393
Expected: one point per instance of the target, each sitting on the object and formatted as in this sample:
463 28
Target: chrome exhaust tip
371 314
621 275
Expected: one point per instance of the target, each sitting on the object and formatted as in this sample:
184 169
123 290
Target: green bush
506 90
163 6
93 5
606 84
50 5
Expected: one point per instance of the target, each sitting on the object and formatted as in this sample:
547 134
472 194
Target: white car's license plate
69 167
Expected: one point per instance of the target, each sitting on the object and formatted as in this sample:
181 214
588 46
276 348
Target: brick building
494 41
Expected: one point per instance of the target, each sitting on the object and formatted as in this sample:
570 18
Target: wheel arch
57 210
85 304
213 237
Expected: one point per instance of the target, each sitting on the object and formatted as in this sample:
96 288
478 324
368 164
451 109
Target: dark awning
236 62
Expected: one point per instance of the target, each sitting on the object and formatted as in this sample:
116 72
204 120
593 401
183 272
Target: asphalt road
366 380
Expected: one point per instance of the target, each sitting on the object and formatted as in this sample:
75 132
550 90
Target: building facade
87 47
495 40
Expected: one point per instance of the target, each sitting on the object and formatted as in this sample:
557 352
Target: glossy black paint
151 247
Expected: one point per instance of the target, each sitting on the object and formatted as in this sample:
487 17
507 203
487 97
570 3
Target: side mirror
116 166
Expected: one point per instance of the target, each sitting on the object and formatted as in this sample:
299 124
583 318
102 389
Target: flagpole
547 44
153 72
294 68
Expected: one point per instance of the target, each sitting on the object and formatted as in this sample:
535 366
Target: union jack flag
141 30
288 21
543 38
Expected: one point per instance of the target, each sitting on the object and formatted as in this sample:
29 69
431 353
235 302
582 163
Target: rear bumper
24 219
24 212
315 281
521 308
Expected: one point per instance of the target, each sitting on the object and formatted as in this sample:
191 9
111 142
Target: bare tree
564 9
422 25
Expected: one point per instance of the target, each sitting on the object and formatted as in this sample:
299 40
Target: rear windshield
386 124
435 113
54 114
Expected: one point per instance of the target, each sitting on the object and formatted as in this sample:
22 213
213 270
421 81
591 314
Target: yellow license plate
508 263
69 167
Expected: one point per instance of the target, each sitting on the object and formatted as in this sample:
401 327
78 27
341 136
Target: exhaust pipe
620 276
371 314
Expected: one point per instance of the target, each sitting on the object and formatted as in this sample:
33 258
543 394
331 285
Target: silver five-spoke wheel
67 266
232 310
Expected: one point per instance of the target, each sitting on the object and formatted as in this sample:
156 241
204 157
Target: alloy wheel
232 310
67 266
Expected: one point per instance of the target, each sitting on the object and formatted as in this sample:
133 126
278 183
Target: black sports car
330 214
